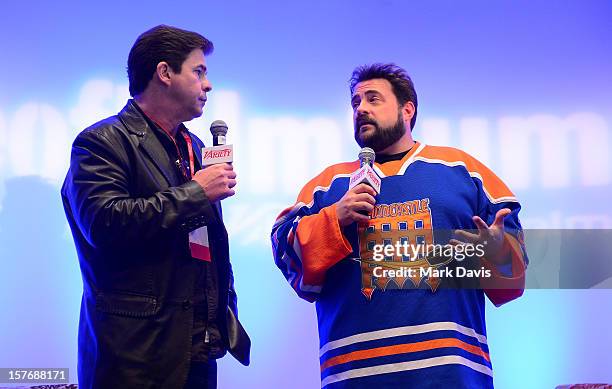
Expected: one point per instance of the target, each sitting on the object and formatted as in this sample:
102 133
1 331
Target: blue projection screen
524 86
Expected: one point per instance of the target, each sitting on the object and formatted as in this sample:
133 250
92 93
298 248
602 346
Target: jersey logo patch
409 223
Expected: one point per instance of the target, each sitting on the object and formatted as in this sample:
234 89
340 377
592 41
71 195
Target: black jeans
202 375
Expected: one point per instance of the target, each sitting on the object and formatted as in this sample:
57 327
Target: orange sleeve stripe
501 289
284 212
325 179
492 184
404 349
292 264
518 262
322 244
512 248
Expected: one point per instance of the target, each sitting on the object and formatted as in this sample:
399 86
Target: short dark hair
161 43
402 85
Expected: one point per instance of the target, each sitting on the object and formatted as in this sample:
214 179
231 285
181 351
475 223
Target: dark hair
161 43
402 85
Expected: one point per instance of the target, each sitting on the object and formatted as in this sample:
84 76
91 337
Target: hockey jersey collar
393 168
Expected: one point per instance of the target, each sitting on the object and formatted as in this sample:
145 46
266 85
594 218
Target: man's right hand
217 181
360 198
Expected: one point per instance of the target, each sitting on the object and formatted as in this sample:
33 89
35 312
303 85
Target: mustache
364 119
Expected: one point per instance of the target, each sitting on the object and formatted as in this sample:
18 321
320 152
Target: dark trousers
202 375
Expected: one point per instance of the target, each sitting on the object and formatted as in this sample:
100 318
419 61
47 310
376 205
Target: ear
408 112
164 73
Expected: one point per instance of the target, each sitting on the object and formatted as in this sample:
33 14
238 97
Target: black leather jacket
130 217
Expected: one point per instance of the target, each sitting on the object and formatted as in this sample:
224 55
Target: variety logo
366 175
217 154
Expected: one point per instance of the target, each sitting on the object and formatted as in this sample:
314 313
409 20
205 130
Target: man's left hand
492 237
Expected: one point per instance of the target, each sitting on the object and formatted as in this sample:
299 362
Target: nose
206 85
361 109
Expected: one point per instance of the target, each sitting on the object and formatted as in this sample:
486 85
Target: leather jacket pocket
127 304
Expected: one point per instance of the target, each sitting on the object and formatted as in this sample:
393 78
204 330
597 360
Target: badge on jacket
198 244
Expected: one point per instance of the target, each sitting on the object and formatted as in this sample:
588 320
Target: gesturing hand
492 237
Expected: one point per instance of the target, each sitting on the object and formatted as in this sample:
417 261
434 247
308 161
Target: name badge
198 244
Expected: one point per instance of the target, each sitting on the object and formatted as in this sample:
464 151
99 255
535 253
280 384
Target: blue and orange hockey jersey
388 333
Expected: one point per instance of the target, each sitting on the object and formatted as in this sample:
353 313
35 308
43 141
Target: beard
380 138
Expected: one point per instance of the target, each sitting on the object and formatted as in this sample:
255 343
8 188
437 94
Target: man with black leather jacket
154 313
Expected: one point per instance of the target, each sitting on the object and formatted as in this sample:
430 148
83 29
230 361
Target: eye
374 99
201 73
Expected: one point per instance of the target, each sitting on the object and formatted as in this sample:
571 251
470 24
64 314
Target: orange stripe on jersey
325 179
284 212
404 349
491 183
322 244
501 289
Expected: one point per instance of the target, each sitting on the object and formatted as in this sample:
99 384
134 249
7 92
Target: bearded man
379 326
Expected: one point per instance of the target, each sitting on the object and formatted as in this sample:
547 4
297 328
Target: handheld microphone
367 156
220 152
218 129
365 174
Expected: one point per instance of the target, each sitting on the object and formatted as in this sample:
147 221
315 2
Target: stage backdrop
525 86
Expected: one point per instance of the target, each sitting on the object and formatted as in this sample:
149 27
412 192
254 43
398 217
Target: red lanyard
187 138
190 152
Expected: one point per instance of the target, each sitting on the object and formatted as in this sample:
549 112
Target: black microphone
218 129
